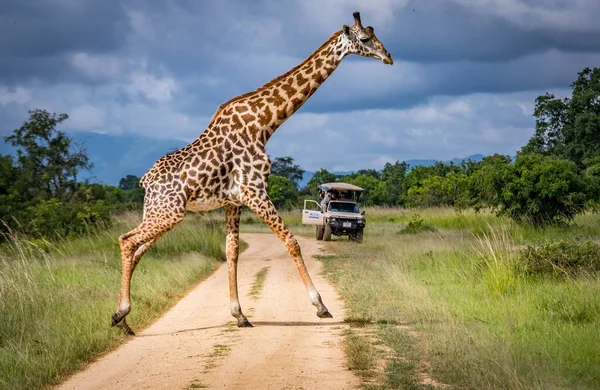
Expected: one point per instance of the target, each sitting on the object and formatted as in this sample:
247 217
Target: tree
319 177
538 189
569 128
373 187
133 193
40 193
392 176
129 182
47 165
282 191
285 167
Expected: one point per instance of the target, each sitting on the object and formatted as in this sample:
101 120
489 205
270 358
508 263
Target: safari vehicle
340 216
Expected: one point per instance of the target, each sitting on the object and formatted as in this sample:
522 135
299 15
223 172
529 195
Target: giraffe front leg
232 245
262 205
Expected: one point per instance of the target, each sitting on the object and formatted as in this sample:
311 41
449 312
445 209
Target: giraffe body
227 166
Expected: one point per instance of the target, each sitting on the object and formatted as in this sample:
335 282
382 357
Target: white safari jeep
339 216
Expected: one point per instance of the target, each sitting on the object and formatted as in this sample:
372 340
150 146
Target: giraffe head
362 41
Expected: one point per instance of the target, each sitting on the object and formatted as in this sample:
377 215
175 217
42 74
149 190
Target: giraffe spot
319 78
305 91
248 118
296 103
319 62
265 117
301 80
235 120
282 115
241 109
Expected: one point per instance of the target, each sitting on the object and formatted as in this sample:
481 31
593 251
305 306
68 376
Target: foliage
537 189
39 191
569 128
282 191
285 167
417 225
46 162
133 192
560 258
319 177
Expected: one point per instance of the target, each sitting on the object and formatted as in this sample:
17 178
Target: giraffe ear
346 30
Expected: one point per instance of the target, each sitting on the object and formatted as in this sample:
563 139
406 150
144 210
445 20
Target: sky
464 81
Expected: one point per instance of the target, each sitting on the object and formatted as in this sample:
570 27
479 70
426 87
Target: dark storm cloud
446 31
37 35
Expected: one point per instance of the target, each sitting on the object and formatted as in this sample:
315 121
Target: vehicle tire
359 236
319 233
327 233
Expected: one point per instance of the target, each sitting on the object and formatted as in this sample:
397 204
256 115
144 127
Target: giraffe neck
265 109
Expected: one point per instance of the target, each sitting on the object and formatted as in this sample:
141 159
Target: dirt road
197 345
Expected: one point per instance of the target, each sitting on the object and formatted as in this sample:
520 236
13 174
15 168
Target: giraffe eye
365 39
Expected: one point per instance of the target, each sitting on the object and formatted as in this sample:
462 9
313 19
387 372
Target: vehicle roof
339 186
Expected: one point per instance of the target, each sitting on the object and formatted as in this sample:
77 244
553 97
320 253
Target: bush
540 190
417 225
52 218
560 258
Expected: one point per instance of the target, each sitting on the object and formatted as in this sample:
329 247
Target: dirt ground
197 345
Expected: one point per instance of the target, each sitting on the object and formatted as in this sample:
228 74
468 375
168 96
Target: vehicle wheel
327 233
359 235
319 233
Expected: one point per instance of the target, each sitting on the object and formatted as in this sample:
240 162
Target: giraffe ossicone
227 166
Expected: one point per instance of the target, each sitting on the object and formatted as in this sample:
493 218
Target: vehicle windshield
343 207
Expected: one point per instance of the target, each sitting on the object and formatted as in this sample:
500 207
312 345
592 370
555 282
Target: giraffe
227 166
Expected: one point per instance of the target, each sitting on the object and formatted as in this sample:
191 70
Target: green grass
452 304
57 298
259 282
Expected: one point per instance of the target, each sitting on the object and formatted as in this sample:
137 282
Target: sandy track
197 345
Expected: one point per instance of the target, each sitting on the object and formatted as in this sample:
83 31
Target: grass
453 306
56 298
259 282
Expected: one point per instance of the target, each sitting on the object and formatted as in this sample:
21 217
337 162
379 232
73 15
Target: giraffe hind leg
263 206
134 245
118 318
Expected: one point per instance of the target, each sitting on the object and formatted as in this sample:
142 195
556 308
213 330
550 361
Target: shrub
538 189
417 225
52 218
565 257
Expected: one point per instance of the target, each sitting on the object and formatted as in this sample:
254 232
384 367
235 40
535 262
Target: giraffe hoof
244 323
126 329
116 318
324 314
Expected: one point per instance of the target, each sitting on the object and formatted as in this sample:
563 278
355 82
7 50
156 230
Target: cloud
443 128
39 37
